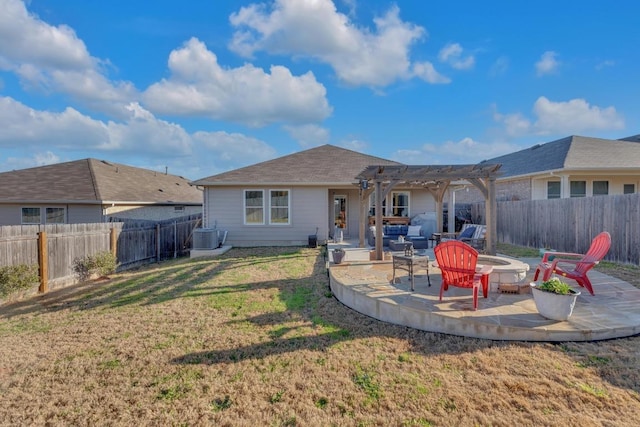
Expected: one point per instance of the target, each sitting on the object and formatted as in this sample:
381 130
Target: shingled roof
573 152
95 181
326 164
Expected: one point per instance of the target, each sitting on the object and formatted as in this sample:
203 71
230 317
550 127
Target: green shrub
105 263
17 277
102 263
556 286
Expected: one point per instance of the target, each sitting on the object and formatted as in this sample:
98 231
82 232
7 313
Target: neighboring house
575 166
283 201
91 190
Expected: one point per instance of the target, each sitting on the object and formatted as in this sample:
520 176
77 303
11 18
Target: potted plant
338 255
554 298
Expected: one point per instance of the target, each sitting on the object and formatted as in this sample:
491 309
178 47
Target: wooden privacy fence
148 241
569 225
54 247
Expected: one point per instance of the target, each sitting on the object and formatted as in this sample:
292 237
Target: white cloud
574 116
71 130
222 151
452 55
199 86
22 125
515 124
34 160
427 72
547 64
26 39
355 145
51 58
315 29
308 135
142 134
499 67
569 118
465 151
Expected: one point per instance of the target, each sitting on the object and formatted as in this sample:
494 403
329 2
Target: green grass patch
366 382
517 251
20 326
595 391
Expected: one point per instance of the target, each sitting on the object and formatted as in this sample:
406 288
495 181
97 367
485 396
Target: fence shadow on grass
309 318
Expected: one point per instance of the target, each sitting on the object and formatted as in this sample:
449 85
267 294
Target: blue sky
202 87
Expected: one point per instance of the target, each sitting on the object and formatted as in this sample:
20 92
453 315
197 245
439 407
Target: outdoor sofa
412 233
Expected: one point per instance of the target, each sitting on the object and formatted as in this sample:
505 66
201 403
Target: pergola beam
435 179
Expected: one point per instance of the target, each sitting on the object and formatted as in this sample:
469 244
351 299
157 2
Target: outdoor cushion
467 233
414 230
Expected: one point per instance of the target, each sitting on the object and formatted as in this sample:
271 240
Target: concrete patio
366 287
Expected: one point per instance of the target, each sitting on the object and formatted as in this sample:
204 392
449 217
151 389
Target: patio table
410 263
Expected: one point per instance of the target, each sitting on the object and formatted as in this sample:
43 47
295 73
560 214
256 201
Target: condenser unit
205 238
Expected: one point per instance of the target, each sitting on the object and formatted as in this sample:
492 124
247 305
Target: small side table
410 264
435 239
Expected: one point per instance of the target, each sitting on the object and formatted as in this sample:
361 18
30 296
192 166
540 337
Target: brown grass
254 338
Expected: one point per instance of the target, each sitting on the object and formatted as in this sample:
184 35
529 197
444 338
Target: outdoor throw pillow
467 233
414 230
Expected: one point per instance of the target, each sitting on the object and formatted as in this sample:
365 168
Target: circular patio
366 287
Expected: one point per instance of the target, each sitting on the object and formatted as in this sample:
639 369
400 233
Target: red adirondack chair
457 262
575 266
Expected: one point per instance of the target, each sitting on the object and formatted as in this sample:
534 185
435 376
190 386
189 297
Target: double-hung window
31 216
400 203
253 207
578 188
279 206
553 189
55 216
600 188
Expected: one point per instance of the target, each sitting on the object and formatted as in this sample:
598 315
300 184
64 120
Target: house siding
308 210
151 213
10 215
421 202
79 214
74 214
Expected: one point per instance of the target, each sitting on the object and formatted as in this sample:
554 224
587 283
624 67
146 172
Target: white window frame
244 206
394 207
31 223
288 207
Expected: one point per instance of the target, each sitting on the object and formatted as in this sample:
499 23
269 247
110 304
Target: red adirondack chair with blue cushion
575 266
457 263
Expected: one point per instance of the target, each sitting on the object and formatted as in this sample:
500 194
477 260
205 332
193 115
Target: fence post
113 242
175 239
158 242
43 261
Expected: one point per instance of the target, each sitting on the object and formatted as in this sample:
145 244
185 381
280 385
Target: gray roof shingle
91 181
573 152
323 164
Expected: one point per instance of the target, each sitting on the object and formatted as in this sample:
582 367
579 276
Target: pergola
433 178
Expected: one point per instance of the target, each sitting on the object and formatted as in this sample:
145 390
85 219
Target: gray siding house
575 166
91 190
283 201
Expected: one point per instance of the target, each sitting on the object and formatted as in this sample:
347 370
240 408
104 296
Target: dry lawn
254 338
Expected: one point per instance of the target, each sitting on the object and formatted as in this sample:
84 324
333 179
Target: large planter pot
554 306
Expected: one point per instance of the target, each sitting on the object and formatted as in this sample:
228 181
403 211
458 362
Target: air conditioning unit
205 238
